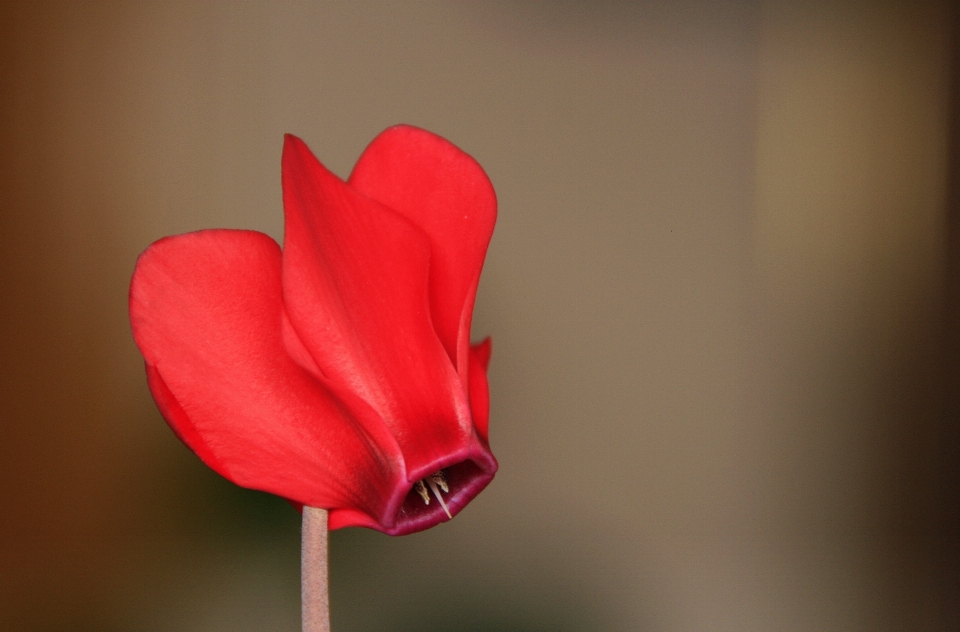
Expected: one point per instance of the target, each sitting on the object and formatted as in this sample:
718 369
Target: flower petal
446 193
206 311
355 288
479 387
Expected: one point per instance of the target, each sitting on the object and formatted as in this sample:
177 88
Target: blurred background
724 294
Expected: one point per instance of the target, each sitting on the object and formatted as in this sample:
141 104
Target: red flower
338 373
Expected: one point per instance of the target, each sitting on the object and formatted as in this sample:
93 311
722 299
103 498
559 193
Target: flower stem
314 586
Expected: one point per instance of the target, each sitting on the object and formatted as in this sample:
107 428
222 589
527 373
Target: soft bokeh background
723 293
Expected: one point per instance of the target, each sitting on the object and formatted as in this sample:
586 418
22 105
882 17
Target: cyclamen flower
338 372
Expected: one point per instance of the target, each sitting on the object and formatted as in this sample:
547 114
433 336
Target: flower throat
437 482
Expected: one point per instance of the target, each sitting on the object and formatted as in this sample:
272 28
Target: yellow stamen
422 490
436 481
441 480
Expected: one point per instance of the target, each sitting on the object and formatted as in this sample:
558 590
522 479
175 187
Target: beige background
718 295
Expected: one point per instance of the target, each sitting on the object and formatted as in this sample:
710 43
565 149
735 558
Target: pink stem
314 586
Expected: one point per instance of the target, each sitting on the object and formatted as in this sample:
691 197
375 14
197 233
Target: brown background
724 293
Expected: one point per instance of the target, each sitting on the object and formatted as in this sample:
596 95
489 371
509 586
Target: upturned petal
206 313
445 193
479 389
